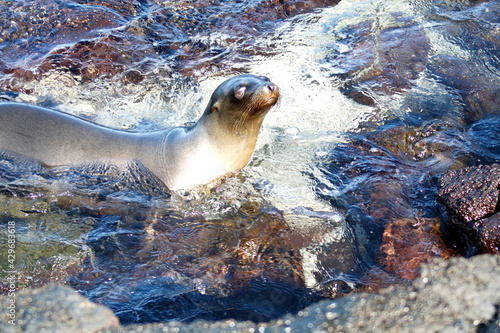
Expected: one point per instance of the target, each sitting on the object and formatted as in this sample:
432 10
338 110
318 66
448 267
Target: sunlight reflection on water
296 213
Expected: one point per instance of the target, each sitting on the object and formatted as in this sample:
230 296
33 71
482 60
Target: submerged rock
407 243
129 39
384 180
478 39
454 295
379 63
478 88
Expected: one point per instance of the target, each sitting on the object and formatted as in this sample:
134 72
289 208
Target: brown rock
30 30
478 87
488 230
94 39
471 197
407 243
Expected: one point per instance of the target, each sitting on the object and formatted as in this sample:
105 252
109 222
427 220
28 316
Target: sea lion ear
240 92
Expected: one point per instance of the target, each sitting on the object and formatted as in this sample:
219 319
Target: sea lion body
221 142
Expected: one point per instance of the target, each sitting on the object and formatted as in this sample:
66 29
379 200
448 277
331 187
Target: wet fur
222 141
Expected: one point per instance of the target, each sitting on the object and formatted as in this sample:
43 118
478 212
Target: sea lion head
242 102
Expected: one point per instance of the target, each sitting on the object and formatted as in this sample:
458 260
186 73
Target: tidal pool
378 99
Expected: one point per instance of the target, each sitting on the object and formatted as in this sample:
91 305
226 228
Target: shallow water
378 98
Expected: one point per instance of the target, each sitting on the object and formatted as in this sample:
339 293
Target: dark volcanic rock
474 80
471 193
102 39
477 87
488 231
392 171
471 197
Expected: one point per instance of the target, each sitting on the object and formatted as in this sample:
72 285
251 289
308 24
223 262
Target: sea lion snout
272 91
268 87
272 87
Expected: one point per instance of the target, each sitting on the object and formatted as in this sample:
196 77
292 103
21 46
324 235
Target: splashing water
373 106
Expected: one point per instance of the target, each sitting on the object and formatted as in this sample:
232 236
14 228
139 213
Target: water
378 99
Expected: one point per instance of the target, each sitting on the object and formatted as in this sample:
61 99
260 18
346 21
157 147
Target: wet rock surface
471 197
407 243
454 295
458 73
471 193
104 39
488 231
384 63
391 203
140 259
379 59
150 261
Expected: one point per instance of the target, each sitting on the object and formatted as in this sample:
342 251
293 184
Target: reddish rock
95 38
407 243
31 29
101 58
478 88
472 26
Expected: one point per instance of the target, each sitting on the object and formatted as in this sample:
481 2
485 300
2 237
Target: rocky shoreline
388 176
455 295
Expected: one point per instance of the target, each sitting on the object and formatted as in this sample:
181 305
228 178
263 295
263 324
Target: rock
54 308
449 296
172 267
455 295
108 39
59 22
471 193
471 197
472 80
488 230
477 87
382 63
407 243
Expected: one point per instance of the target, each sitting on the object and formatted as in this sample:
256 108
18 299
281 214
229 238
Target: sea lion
222 141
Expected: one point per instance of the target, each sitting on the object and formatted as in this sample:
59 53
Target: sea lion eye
240 92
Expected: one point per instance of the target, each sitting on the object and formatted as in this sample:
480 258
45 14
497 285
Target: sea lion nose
271 87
